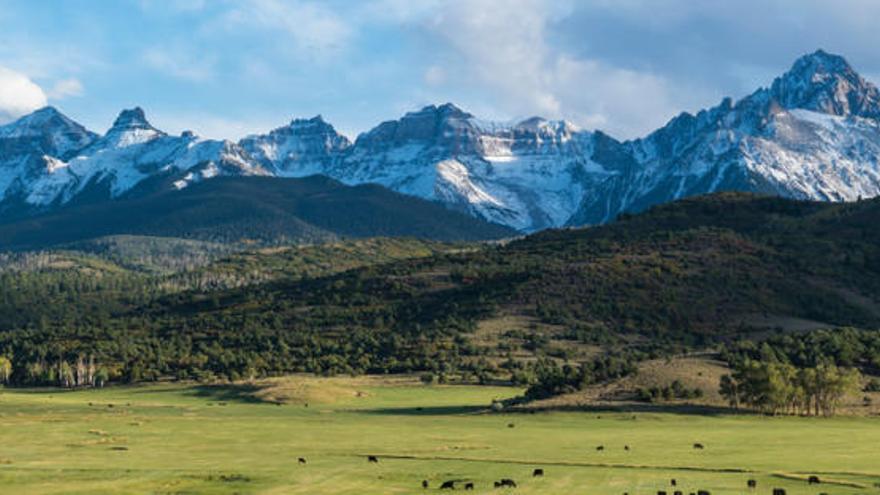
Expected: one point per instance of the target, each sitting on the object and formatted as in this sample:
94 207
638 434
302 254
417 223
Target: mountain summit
826 83
131 127
814 133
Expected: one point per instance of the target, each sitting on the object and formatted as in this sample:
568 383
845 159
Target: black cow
661 493
538 472
600 448
372 458
813 480
673 482
677 492
497 484
468 486
507 482
510 425
699 446
702 492
752 484
778 491
626 448
301 460
448 485
424 483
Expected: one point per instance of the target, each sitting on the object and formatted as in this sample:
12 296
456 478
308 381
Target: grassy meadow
176 439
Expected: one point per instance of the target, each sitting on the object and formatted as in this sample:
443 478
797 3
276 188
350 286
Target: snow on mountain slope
130 152
302 148
814 133
34 145
529 175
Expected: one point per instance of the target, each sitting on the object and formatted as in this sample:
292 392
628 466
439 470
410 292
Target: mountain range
814 133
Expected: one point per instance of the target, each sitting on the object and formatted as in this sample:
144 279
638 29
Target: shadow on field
425 411
226 393
693 409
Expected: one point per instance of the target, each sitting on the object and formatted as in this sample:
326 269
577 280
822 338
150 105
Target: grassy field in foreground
189 439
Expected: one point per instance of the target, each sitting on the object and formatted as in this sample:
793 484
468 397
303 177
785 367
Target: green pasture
176 439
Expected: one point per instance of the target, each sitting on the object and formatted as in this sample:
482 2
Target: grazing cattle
468 486
510 425
677 492
507 482
372 458
600 448
672 482
301 460
813 480
661 493
424 483
538 472
752 484
702 492
448 485
626 448
778 491
497 484
699 446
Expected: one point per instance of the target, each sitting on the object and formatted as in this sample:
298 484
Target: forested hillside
685 275
256 210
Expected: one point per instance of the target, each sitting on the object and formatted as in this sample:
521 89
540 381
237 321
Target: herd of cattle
539 472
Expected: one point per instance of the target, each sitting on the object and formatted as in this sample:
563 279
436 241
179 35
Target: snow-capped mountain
304 147
813 134
61 161
529 175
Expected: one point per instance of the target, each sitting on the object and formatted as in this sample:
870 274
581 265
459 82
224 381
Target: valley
247 438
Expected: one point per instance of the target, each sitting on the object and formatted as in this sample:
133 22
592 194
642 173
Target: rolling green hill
684 275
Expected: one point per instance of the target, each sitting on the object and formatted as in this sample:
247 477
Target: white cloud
314 29
177 62
435 75
506 51
174 6
18 95
66 88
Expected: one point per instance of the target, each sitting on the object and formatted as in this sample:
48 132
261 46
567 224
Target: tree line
781 388
809 373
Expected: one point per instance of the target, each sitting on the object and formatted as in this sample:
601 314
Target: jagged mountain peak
446 110
45 131
131 127
826 83
541 125
132 118
814 133
316 124
38 122
821 62
440 114
303 147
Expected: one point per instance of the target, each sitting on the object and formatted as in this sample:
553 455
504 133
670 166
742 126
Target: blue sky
227 68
